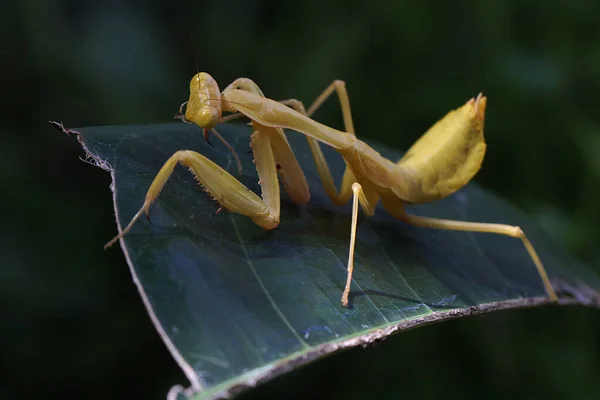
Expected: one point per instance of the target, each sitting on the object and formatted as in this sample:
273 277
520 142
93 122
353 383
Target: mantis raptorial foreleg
292 176
222 186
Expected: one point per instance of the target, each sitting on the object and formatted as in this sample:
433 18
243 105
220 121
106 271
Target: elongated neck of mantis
274 114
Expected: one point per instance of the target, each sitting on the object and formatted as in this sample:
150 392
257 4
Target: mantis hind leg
501 229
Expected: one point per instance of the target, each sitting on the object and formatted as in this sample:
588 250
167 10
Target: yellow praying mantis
442 161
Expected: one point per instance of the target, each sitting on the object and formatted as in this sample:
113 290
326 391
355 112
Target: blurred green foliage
71 321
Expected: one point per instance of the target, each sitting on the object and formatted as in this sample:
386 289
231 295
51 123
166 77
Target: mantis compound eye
210 115
206 117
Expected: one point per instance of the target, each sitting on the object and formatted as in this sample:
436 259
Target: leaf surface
237 305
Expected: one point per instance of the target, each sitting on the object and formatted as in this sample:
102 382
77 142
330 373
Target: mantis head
204 106
204 117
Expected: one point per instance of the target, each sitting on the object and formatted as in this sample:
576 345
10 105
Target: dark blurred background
71 321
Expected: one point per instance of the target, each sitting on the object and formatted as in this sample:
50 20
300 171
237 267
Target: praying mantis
439 163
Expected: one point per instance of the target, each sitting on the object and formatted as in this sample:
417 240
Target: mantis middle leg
342 196
366 198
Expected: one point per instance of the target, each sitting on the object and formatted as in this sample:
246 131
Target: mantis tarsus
442 161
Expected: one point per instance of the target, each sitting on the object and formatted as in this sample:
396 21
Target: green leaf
237 305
